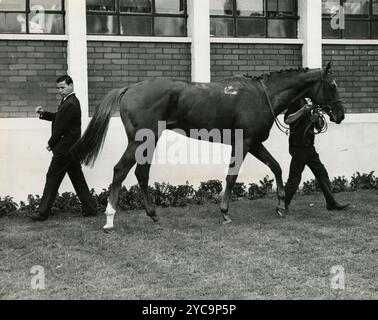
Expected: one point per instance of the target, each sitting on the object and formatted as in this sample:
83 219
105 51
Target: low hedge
167 195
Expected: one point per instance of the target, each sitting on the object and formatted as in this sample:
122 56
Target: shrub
130 199
7 205
183 195
102 198
208 191
239 190
310 186
364 181
266 185
163 194
255 191
66 202
339 184
31 205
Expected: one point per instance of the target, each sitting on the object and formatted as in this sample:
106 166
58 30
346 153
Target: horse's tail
87 148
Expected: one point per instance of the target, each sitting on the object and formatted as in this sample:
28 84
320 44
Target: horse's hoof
226 220
108 230
281 211
226 216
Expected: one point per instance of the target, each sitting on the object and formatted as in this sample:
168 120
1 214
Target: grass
189 254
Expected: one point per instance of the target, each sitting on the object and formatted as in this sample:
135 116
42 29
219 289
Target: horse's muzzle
335 112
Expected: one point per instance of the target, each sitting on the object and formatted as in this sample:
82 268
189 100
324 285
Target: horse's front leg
238 153
259 151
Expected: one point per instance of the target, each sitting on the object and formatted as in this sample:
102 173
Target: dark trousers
59 166
302 156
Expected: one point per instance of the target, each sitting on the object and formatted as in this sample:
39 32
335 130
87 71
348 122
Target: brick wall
355 69
117 64
254 59
28 71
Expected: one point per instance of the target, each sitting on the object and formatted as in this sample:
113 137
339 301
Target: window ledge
29 36
138 39
256 40
350 41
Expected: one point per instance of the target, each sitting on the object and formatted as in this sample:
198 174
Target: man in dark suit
66 130
303 123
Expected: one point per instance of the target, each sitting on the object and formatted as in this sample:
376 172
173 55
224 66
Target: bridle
324 107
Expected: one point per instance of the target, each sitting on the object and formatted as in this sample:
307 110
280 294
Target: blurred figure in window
228 7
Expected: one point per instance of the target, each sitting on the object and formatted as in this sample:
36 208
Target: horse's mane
275 73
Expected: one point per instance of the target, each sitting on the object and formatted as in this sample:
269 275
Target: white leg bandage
109 212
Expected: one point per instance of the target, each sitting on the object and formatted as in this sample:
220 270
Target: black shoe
36 216
337 206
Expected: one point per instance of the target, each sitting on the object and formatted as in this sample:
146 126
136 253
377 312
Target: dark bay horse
238 103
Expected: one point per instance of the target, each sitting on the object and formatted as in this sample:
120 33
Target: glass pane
356 30
101 24
100 5
13 22
273 5
169 6
328 31
281 8
12 5
280 28
221 7
140 6
46 4
174 27
356 6
136 25
221 27
374 32
45 23
254 28
375 7
286 6
249 8
330 6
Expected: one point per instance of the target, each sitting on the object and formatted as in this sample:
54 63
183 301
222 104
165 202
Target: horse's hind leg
121 170
264 156
142 172
238 154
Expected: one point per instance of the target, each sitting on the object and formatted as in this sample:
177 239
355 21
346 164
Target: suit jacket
66 125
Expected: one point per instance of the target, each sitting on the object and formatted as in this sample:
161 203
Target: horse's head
324 93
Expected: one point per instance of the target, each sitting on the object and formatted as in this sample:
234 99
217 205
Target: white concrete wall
349 147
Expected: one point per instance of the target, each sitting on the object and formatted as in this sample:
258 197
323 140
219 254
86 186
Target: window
32 16
137 17
253 18
350 19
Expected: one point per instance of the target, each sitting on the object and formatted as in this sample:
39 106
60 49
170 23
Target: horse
246 103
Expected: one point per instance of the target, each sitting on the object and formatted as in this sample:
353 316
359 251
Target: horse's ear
328 68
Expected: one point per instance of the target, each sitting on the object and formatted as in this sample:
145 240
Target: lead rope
279 125
316 114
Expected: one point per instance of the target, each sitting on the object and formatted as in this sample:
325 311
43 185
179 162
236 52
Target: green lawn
189 254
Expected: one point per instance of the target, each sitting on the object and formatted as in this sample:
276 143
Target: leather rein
318 109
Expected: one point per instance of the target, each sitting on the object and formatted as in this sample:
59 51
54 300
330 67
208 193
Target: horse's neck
290 89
